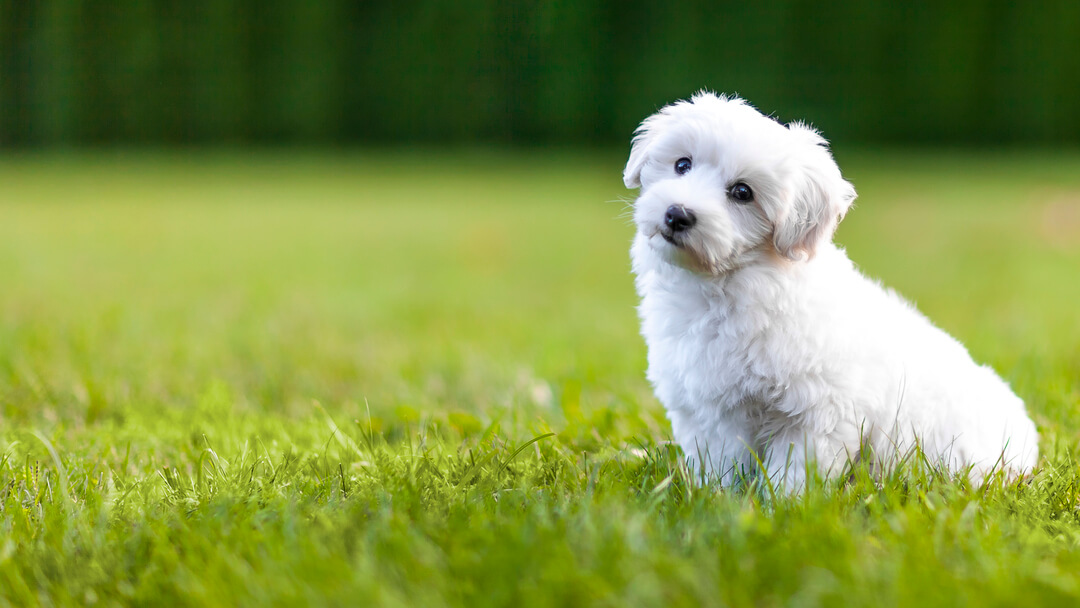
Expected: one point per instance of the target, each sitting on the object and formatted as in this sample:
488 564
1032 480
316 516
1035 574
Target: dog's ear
643 136
817 197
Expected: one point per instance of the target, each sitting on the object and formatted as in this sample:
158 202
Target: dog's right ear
638 148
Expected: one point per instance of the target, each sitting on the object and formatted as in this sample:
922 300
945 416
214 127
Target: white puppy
765 343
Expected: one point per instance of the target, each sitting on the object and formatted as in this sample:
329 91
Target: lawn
413 378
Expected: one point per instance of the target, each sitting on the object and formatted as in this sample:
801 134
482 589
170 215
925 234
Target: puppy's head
722 184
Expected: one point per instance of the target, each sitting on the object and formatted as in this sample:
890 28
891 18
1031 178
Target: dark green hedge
338 71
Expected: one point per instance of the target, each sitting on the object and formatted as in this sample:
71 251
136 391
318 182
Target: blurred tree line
78 72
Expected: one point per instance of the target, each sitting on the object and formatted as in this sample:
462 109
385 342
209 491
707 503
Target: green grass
313 379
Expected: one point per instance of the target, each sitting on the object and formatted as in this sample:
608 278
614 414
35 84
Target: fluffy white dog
766 345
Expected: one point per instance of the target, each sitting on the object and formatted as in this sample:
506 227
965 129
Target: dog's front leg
716 448
792 456
786 459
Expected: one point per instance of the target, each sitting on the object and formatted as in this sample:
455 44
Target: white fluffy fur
765 342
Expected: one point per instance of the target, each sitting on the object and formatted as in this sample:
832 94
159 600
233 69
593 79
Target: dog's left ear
816 198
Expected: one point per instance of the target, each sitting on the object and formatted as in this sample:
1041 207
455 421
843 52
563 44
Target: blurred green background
161 72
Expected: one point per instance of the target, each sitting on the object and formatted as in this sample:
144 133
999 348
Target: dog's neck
761 277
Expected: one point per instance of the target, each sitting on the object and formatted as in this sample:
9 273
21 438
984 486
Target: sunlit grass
313 378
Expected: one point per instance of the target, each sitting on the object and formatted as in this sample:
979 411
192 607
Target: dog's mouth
690 252
669 236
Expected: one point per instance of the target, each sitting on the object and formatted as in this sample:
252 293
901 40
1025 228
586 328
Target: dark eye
742 193
682 165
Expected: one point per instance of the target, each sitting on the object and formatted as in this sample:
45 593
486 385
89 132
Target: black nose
679 218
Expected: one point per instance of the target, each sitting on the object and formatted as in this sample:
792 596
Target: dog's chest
707 350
